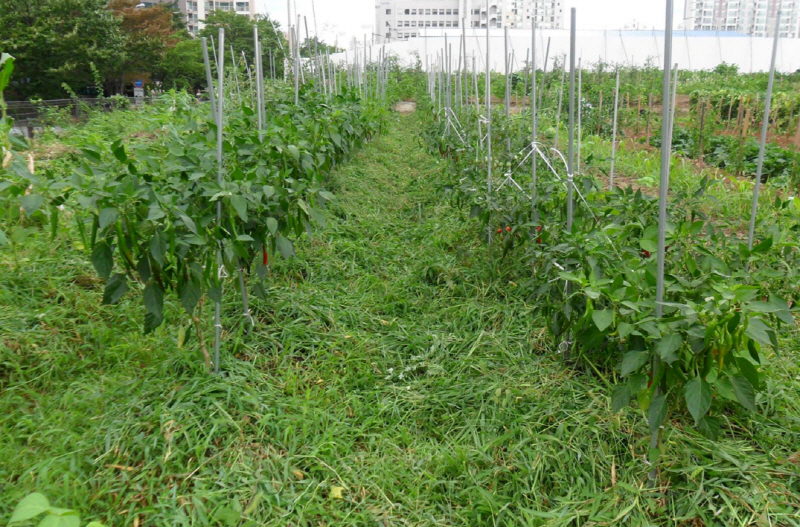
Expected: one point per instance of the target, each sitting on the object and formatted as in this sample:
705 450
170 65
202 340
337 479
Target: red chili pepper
539 228
500 230
645 254
266 257
539 240
508 228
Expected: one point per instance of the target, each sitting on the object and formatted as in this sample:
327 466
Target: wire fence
31 115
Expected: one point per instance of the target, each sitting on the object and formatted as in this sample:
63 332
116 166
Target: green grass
393 360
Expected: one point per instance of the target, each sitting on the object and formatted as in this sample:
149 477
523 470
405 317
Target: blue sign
138 84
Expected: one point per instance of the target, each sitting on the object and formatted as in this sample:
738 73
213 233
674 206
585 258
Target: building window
435 11
243 6
407 23
413 11
388 11
388 35
407 11
387 24
399 24
427 11
455 24
413 23
455 12
427 23
449 12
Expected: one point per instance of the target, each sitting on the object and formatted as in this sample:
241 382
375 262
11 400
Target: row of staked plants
146 213
595 284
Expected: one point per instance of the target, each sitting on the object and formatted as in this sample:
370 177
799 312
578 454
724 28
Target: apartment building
404 19
194 12
519 14
751 17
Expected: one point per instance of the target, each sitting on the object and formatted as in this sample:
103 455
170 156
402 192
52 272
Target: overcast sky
344 19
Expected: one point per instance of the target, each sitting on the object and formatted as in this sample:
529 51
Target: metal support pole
571 144
507 60
580 114
259 83
544 71
560 100
534 124
220 105
764 131
666 153
488 129
614 134
209 80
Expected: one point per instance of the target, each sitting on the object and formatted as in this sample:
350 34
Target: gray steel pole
674 99
666 154
534 124
235 73
507 60
544 71
571 147
209 80
764 131
488 127
560 100
580 114
614 134
220 104
296 48
259 83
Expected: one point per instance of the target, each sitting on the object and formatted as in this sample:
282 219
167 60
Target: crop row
147 213
594 283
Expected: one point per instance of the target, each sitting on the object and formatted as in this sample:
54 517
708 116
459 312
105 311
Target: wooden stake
797 134
649 114
600 113
639 116
702 125
730 112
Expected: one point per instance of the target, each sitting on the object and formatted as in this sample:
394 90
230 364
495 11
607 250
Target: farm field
395 377
305 309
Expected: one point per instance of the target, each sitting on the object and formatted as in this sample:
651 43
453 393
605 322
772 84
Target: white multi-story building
519 14
751 17
404 19
195 11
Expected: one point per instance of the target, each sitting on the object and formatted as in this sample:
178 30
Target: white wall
691 52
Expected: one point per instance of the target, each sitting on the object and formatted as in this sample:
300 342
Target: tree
239 35
149 33
57 41
313 45
182 67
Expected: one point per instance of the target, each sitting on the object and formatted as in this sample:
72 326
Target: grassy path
389 382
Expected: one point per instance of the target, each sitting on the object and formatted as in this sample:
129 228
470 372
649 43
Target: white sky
344 19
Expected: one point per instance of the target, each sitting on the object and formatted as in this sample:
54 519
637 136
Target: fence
31 116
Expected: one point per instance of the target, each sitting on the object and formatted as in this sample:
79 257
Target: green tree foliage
313 45
182 67
239 34
56 41
149 34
